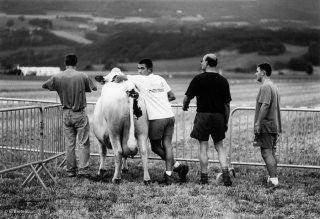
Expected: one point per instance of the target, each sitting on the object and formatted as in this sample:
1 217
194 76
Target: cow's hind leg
115 141
124 165
118 162
102 172
142 142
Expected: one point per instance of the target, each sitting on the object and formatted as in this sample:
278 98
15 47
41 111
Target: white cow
117 127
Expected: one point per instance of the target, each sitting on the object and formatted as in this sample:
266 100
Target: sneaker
182 170
226 179
167 180
204 179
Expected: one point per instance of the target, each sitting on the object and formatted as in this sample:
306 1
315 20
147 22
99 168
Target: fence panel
20 136
298 145
17 102
53 130
299 142
184 147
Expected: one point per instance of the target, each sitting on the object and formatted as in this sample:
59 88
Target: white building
39 71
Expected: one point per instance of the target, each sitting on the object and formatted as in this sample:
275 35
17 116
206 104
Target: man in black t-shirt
213 108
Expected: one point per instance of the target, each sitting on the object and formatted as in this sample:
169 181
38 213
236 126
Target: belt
78 110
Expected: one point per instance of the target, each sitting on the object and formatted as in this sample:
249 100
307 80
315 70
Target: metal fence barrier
33 135
298 145
30 137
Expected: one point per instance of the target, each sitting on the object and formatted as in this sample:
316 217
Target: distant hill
228 61
211 10
170 29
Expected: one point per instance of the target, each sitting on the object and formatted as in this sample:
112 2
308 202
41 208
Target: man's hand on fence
185 108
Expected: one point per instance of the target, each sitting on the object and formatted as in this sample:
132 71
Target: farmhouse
39 71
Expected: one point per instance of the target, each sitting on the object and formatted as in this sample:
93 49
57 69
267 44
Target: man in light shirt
157 95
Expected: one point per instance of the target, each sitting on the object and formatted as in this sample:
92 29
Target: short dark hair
265 67
71 60
211 61
147 62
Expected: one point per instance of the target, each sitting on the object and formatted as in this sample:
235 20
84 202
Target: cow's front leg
142 141
117 173
124 165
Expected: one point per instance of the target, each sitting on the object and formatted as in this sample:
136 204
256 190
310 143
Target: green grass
298 196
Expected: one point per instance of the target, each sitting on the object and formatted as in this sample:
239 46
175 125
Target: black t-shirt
212 92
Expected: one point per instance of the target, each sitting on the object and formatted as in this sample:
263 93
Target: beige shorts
265 140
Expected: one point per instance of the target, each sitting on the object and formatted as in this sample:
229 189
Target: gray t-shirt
269 94
71 86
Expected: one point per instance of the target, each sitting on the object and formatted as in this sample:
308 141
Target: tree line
132 42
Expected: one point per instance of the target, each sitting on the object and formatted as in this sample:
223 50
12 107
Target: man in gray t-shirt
267 121
71 86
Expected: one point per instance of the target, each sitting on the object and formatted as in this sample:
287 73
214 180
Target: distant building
39 71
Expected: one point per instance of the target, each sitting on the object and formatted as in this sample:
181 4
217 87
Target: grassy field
298 196
297 89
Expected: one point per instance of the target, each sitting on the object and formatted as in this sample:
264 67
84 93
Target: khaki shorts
265 140
159 128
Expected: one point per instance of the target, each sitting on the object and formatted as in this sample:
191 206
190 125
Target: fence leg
39 178
31 176
47 171
62 163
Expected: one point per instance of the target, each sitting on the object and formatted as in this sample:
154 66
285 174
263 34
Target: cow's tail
132 142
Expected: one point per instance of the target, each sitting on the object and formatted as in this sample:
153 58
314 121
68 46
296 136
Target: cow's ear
100 79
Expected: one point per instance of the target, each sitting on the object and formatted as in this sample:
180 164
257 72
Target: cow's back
115 104
111 109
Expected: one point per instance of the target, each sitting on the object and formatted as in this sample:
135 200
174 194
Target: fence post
41 133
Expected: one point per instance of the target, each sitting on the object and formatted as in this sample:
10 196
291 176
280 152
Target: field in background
296 90
228 60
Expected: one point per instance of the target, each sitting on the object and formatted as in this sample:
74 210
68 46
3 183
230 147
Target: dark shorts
206 124
265 140
159 128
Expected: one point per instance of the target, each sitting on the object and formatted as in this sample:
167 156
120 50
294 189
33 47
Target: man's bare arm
262 114
171 96
186 102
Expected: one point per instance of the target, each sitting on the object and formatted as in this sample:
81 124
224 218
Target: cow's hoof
102 173
116 181
125 170
147 182
232 172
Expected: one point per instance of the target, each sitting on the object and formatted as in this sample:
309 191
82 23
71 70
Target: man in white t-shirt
157 95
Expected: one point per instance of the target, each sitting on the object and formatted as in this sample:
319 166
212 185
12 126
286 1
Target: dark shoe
84 175
182 170
167 180
271 186
226 179
102 176
204 179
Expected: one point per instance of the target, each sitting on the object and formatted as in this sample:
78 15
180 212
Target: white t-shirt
154 89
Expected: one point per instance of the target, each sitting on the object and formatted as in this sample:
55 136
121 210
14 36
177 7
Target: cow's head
109 77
